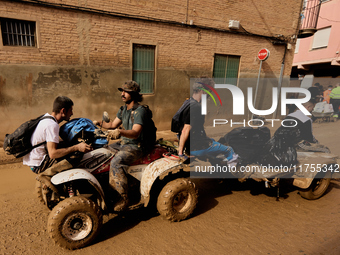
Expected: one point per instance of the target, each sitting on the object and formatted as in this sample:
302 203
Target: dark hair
135 96
312 101
62 102
200 82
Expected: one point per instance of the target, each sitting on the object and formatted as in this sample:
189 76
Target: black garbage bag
281 148
247 142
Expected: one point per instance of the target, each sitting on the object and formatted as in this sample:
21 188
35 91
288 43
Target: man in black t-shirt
196 126
303 123
305 138
193 138
315 92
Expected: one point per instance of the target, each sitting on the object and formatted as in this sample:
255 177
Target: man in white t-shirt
47 160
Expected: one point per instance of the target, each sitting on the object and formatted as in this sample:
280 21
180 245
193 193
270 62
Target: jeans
214 150
126 155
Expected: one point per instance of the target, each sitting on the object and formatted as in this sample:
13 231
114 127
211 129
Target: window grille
226 69
18 32
144 67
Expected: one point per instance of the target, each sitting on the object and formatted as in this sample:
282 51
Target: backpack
148 135
176 124
18 143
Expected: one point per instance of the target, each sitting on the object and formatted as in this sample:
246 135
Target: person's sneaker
335 116
234 161
182 158
122 204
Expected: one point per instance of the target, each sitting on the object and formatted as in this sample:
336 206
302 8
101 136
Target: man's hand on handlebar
96 123
83 147
113 134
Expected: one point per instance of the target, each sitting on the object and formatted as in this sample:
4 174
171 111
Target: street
231 218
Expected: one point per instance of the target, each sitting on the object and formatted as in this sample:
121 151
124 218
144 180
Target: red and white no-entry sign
263 54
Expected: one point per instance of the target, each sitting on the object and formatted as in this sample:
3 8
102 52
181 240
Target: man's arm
54 152
112 124
184 137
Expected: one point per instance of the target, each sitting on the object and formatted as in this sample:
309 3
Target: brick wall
264 17
88 55
70 37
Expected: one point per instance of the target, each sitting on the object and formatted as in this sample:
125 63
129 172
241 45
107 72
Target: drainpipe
187 13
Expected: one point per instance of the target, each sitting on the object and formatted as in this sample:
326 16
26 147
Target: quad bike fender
158 169
78 174
309 166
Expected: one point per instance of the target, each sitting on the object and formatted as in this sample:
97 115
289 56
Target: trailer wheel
317 188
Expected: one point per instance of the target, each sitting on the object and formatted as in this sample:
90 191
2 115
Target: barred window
226 69
18 32
144 67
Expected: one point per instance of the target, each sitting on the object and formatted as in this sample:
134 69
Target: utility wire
279 39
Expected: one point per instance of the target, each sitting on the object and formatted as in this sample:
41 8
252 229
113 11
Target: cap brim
126 90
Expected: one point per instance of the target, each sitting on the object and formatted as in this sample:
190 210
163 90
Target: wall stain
61 80
68 81
2 86
29 86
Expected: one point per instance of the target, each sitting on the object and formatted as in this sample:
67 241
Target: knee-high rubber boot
45 177
118 181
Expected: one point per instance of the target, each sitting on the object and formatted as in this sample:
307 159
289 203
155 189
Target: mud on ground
231 218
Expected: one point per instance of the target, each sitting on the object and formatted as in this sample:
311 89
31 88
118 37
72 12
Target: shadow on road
209 190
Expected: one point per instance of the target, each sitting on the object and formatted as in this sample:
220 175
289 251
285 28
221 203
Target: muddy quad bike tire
39 192
177 200
74 222
317 188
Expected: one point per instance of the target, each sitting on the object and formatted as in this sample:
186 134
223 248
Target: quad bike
84 194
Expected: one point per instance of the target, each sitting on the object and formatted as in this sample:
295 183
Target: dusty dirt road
231 218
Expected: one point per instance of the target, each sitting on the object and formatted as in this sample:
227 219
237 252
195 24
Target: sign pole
257 86
262 56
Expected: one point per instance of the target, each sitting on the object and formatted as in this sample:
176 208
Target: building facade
87 49
317 58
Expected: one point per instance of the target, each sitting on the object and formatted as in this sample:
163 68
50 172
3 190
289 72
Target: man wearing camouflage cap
133 117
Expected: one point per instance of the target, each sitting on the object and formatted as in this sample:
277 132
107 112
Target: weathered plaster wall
88 56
